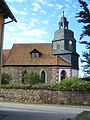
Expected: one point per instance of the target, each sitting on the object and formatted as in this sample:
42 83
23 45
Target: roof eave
5 11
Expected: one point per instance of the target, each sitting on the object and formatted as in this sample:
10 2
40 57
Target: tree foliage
32 78
86 61
6 78
84 17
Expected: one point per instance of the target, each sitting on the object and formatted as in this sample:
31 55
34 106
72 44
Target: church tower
64 38
64 43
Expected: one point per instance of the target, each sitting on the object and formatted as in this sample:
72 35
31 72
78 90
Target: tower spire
63 24
63 13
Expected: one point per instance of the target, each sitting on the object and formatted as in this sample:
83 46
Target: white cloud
40 1
68 0
36 7
21 32
45 22
20 1
23 12
59 7
50 5
36 33
30 40
44 12
28 35
33 22
16 29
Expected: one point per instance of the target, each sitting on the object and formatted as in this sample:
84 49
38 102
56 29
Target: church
52 61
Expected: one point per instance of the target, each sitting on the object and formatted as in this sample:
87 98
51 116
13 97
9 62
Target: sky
37 20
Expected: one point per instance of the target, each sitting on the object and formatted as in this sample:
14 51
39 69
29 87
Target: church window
23 76
43 76
63 74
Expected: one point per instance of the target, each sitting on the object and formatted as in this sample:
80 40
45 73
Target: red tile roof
5 54
20 55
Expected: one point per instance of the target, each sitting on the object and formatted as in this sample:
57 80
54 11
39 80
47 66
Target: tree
84 17
6 78
86 61
32 78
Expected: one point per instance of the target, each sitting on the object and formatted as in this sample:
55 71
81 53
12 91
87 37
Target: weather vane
63 11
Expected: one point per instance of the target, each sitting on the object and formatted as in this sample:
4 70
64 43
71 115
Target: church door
43 76
63 74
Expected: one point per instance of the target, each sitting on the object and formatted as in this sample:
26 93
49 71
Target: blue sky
37 20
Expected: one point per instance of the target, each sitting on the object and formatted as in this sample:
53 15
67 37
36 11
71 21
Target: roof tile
20 55
5 54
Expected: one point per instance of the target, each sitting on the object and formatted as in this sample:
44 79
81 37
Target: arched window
63 74
23 75
43 76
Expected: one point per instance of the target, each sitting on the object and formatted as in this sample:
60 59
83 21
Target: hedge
73 84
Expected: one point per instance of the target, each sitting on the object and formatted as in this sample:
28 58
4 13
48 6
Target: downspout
1 48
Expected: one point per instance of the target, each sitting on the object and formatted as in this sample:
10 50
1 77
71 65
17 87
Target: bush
85 78
32 81
74 84
9 86
85 115
54 86
32 78
6 78
41 86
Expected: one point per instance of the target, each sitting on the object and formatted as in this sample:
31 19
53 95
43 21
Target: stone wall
45 96
16 72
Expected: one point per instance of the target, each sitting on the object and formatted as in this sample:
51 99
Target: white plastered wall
68 72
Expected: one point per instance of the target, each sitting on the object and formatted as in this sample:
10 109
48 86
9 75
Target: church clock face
70 42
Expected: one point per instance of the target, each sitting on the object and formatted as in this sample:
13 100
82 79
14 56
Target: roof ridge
29 43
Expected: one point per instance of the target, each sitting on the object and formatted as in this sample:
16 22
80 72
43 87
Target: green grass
83 116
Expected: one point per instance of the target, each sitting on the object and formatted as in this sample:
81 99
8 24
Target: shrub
85 115
85 78
32 78
6 78
9 86
41 86
49 86
54 86
74 84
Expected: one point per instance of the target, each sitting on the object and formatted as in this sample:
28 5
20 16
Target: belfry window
58 46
